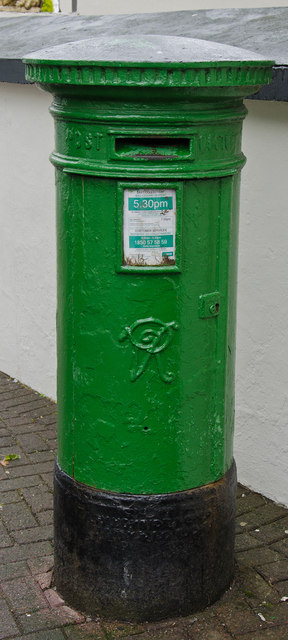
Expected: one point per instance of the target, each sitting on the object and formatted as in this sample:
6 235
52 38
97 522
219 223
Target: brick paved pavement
255 608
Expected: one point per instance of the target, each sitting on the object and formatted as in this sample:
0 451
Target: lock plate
209 305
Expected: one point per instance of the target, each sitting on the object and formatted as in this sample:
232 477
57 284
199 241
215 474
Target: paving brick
39 498
261 516
31 415
11 450
17 483
8 414
282 588
3 431
5 540
50 432
255 589
281 546
31 442
8 388
278 633
52 634
25 551
48 478
28 427
257 557
44 579
52 419
272 532
123 629
244 542
87 631
53 444
234 592
34 404
13 383
170 634
51 404
13 570
33 535
17 401
4 474
24 595
41 564
7 497
18 516
248 501
45 517
6 441
48 410
8 626
147 636
239 619
275 572
42 456
17 422
3 391
5 380
53 599
203 631
49 619
12 393
5 387
274 614
7 391
27 414
29 469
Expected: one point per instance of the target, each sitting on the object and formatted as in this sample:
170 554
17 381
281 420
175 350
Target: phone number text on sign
149 224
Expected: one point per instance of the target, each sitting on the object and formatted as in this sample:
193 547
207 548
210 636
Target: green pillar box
147 157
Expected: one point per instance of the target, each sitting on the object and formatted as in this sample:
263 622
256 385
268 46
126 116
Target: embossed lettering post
147 157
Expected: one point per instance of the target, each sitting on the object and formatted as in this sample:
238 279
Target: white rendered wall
27 238
102 7
27 274
261 437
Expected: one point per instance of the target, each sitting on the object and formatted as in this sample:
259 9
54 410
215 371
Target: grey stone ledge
262 31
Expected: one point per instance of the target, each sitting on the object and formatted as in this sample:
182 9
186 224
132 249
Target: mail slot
153 148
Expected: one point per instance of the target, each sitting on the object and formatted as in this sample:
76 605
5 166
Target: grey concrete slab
262 31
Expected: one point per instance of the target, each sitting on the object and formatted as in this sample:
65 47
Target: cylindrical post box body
148 154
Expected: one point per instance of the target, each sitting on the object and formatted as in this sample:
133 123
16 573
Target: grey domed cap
163 49
187 62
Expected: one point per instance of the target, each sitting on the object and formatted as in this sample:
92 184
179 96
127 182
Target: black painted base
143 557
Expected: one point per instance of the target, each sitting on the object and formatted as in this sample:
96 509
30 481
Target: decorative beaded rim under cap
147 60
